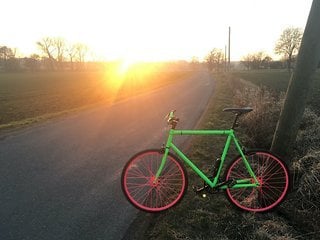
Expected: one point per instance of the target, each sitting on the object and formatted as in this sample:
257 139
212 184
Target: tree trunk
299 86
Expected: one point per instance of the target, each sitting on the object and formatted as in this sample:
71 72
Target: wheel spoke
273 178
146 194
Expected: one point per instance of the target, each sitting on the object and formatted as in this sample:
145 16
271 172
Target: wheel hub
153 182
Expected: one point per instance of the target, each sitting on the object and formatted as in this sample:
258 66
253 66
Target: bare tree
71 52
247 61
215 59
60 49
256 60
54 48
81 51
56 51
47 46
289 44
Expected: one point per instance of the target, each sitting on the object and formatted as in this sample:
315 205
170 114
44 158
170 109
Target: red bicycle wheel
138 181
272 175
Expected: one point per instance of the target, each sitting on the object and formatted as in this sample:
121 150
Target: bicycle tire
137 181
272 174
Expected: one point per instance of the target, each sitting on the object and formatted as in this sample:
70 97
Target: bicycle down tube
230 136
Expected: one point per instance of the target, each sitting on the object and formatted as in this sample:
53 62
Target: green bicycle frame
240 183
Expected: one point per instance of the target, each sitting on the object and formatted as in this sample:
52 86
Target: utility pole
229 44
225 58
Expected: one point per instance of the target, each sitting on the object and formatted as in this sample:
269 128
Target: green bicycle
155 180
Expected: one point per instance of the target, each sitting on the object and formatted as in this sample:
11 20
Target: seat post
235 121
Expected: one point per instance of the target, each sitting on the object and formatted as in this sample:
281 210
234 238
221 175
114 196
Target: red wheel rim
271 174
146 193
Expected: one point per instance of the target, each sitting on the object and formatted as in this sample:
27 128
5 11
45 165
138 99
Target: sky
151 30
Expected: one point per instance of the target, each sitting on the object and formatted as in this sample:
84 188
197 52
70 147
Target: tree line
286 47
55 54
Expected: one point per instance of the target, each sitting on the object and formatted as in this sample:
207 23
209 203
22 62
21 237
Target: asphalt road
61 179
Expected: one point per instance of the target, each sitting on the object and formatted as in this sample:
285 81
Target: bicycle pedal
199 189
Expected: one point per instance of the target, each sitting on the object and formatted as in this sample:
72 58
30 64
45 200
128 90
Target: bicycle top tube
202 132
173 121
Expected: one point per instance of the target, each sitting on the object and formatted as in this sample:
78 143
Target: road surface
61 179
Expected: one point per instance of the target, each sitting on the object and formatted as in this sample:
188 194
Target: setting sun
125 65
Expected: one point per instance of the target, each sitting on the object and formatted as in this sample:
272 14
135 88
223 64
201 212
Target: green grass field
278 80
274 79
31 97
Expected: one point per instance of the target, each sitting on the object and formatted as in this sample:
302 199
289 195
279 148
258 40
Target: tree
215 59
247 61
54 48
55 51
71 51
33 62
195 63
289 44
300 84
81 51
6 53
47 46
266 62
8 60
256 60
60 49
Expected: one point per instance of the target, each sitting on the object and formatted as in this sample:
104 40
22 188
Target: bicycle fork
165 149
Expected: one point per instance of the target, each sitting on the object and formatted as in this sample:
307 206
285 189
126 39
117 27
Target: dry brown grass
302 207
260 124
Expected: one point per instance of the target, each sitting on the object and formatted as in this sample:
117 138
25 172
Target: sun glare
125 65
121 77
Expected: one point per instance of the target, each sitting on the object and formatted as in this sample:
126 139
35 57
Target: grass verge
302 207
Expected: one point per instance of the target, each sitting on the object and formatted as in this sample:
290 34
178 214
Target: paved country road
61 179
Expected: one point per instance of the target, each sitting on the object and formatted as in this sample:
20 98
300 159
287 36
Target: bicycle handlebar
170 115
171 119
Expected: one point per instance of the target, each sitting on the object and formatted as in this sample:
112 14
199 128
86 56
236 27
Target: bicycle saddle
238 111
